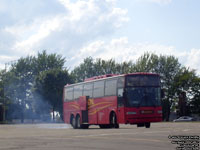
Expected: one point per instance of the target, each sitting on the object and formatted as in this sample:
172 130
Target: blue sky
175 23
118 29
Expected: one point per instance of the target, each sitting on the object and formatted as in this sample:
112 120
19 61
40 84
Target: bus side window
87 90
120 82
69 94
98 90
78 91
111 87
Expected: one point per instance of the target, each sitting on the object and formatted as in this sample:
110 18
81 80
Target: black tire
78 122
84 126
148 125
105 126
116 126
113 121
140 125
73 122
79 125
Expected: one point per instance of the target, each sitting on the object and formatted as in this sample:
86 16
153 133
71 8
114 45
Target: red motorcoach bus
110 100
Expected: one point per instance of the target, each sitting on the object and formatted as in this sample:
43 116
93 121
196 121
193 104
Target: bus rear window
143 80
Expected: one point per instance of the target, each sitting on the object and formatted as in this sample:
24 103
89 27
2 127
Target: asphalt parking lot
63 137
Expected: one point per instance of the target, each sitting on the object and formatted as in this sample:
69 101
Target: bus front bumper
143 120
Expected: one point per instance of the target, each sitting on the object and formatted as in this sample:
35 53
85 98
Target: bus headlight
159 111
131 113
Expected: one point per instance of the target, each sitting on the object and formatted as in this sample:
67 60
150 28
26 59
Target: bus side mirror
162 93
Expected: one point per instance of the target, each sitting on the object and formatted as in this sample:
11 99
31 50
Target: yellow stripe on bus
98 109
91 106
75 106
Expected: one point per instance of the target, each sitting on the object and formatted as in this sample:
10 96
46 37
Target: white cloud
121 50
37 31
156 1
192 59
161 1
4 61
62 25
76 30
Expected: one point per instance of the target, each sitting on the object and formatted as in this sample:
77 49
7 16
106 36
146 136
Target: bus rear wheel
73 122
104 126
84 126
79 125
113 121
147 125
78 122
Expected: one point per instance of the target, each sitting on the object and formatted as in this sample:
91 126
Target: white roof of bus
116 76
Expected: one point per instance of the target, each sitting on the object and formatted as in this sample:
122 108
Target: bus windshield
143 96
143 80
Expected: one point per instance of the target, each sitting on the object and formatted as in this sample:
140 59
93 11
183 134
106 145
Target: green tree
21 75
20 80
90 68
10 91
2 100
187 82
2 86
84 70
148 62
44 62
195 102
50 85
168 67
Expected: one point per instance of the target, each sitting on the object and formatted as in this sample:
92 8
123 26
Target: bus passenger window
78 91
98 89
110 87
88 88
69 93
120 92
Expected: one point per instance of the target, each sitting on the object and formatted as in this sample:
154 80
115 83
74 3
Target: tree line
32 87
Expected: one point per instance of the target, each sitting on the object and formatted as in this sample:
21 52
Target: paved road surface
63 137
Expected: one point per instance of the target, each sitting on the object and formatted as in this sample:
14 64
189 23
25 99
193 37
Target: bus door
84 108
120 105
